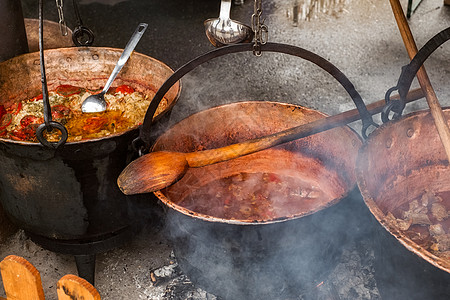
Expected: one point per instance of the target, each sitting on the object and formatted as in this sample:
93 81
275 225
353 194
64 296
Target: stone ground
359 36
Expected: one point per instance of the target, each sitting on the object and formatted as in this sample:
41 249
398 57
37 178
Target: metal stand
84 251
86 267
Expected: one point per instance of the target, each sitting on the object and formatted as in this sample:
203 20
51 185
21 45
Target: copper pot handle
143 143
407 75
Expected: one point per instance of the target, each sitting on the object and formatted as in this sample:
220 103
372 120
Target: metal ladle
224 31
97 103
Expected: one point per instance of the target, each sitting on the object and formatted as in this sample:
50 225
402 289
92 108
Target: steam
261 261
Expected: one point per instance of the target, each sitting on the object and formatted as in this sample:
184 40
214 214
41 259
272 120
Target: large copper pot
266 257
71 193
263 258
401 164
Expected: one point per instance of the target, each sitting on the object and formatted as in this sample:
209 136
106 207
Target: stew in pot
125 109
426 221
255 196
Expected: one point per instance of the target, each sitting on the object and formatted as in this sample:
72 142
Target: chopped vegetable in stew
125 109
426 221
255 196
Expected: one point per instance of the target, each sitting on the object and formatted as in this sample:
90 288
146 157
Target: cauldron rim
160 195
83 141
213 219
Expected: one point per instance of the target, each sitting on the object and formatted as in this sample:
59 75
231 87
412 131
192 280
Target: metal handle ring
392 106
40 134
145 130
409 71
82 36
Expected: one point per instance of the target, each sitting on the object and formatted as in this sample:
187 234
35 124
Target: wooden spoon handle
207 157
422 77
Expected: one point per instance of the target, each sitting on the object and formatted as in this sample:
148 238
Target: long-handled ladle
157 170
422 77
97 103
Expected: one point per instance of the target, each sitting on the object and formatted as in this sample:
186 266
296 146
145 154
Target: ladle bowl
225 31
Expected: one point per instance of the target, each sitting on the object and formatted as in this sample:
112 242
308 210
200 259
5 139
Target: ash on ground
351 279
125 274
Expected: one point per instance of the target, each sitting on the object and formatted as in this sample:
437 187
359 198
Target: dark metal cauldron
399 162
260 259
71 193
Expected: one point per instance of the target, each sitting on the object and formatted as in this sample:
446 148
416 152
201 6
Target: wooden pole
422 77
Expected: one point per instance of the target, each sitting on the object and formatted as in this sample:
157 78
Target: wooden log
21 280
72 287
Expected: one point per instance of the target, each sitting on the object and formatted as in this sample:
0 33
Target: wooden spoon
422 77
157 170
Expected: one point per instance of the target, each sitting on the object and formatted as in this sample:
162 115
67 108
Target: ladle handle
225 8
126 54
143 142
409 71
48 124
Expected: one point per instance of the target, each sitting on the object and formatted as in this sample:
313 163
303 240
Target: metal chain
261 31
62 21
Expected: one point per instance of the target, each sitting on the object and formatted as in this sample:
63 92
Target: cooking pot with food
404 177
268 224
70 193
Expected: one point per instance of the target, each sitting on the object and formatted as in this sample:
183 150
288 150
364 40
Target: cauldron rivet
388 143
410 132
95 56
68 59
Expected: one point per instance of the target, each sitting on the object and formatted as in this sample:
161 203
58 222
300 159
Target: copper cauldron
70 193
402 164
261 257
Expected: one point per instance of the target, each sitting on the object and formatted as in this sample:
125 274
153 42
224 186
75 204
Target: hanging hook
48 123
81 35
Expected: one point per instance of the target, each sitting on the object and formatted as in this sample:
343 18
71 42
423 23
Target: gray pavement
359 36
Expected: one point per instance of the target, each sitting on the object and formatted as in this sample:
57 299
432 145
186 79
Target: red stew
255 196
126 108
